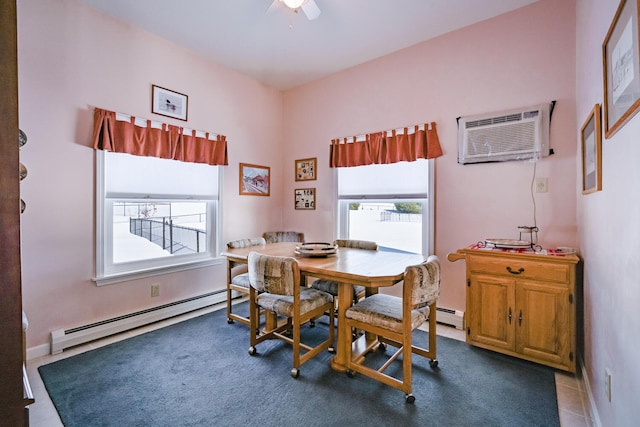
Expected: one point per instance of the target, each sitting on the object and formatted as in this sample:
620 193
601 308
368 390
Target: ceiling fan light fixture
294 4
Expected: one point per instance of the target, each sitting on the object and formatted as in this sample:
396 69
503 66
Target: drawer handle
520 270
510 315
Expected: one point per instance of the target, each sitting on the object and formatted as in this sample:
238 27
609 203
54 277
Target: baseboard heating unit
448 316
65 338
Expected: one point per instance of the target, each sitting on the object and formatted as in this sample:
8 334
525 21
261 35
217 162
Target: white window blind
400 179
151 176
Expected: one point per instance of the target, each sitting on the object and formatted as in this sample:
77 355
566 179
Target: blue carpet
198 373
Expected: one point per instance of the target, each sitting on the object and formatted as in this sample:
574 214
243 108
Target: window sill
141 274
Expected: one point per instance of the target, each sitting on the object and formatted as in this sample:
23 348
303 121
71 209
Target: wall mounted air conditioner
520 134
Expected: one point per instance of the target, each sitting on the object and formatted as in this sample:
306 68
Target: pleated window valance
392 146
122 133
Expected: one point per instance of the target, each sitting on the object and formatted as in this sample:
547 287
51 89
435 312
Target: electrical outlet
607 383
542 185
155 290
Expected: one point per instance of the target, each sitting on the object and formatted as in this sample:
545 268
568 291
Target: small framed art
168 103
306 169
254 180
305 198
591 136
621 60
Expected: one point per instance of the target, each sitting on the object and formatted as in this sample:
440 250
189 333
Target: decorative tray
508 243
316 249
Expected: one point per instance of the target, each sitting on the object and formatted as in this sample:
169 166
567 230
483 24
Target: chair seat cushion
310 299
385 311
241 280
331 287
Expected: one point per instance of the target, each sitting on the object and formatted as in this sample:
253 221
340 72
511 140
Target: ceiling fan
309 7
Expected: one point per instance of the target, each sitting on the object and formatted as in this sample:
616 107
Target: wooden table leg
345 298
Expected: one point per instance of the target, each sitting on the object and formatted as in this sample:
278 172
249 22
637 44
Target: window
154 215
389 204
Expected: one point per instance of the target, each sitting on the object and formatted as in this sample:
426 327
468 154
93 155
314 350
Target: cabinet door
543 323
491 306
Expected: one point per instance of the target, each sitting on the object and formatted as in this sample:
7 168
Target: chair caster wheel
433 363
409 398
382 347
229 321
252 351
350 373
312 323
332 350
295 372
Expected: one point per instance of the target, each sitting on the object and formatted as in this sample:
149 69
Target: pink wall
609 237
519 59
73 58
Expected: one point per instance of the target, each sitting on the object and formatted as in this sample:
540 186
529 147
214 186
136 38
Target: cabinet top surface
551 255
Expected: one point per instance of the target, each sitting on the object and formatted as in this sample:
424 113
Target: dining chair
238 277
331 286
283 236
393 319
275 288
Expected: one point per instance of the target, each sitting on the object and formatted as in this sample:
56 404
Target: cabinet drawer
517 268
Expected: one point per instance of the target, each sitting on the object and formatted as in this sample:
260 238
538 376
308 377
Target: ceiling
284 49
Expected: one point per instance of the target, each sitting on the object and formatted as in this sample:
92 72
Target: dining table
348 267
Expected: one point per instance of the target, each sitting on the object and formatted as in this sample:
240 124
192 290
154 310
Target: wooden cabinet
522 304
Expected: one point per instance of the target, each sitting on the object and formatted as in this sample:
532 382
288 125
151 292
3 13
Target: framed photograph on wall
306 169
168 103
591 136
305 198
254 180
621 60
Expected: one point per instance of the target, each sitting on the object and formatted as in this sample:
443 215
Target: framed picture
254 180
305 198
620 57
591 135
168 103
306 169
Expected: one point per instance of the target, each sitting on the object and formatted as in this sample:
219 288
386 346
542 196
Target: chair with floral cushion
393 319
238 277
283 236
275 288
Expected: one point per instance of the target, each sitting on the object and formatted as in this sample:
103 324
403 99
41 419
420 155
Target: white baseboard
38 351
65 338
593 410
448 316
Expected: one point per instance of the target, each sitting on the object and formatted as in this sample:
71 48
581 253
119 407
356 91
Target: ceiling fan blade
311 9
273 5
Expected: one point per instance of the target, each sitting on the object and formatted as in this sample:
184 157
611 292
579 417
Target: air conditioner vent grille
493 120
510 140
513 135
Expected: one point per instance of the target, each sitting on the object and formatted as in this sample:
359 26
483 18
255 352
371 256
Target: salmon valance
386 147
121 133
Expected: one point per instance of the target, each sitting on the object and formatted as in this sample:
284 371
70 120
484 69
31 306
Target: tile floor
573 402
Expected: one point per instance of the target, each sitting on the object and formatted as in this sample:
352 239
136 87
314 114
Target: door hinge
468 331
570 298
571 356
468 283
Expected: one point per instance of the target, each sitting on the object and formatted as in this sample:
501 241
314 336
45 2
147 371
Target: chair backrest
274 274
358 244
425 282
283 236
245 243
